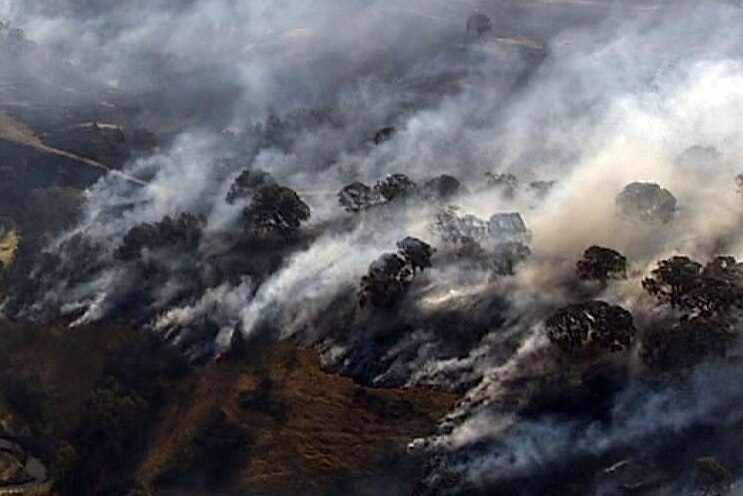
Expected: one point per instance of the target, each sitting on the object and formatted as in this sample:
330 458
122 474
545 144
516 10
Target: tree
594 322
385 134
646 202
385 282
395 186
720 287
454 228
601 264
508 227
725 268
182 233
470 248
357 196
671 281
276 209
504 237
705 291
416 253
686 343
247 183
541 189
441 187
700 156
506 183
710 296
506 257
478 24
391 274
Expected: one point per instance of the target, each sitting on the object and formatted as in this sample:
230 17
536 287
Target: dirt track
17 132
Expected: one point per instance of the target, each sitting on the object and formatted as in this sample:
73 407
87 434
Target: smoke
646 413
617 95
243 58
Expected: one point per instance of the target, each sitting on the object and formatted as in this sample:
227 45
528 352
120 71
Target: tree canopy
688 286
276 209
441 187
707 296
478 24
391 274
395 186
247 183
385 134
646 202
601 264
183 233
686 343
507 184
594 322
357 197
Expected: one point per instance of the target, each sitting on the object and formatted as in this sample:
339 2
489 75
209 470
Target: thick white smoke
619 100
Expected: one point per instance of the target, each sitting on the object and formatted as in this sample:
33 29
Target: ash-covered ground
535 205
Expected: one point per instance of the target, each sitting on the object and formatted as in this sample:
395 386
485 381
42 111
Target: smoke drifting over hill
593 96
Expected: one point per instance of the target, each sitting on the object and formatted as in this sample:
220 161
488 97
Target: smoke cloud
599 98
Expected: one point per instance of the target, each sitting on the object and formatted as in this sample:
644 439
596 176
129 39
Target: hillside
257 248
18 133
269 423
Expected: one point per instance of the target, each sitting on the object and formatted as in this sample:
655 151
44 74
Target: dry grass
9 247
304 427
311 426
64 363
17 132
